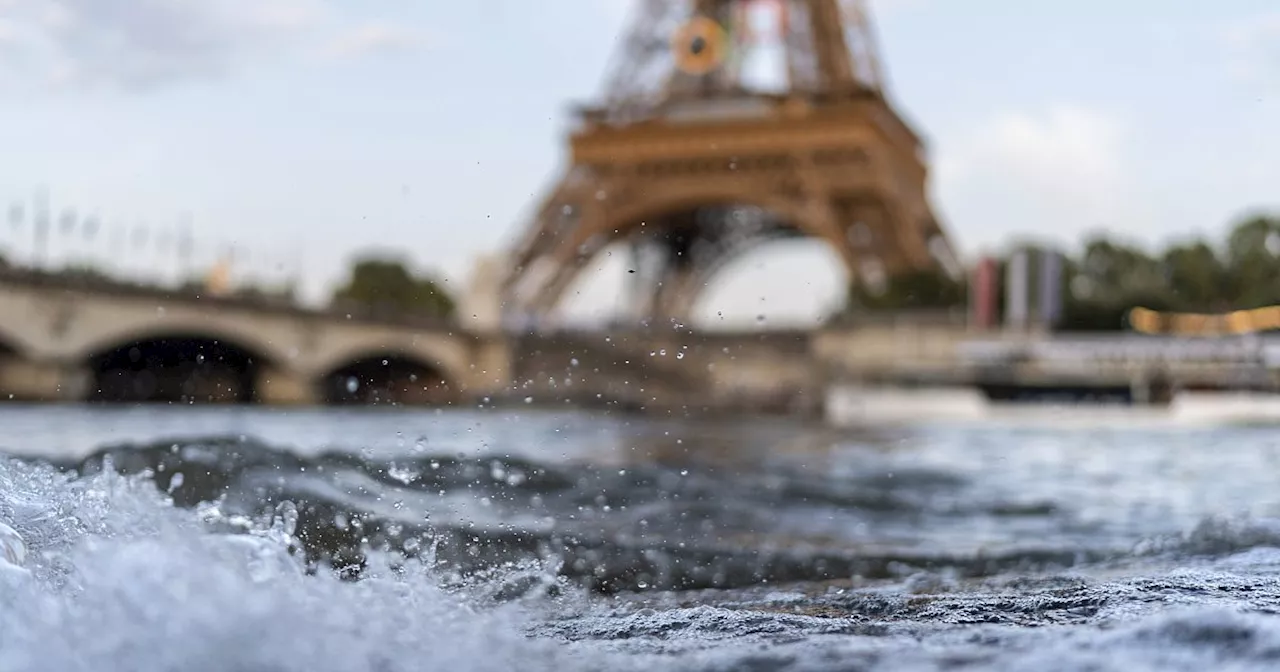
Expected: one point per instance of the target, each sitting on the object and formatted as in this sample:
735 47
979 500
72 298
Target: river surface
180 538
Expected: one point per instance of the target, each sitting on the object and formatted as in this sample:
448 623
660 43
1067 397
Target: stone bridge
63 340
678 372
59 341
77 341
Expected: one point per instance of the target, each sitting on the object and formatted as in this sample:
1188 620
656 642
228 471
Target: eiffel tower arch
690 167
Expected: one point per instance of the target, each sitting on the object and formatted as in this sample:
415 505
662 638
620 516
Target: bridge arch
804 280
10 344
441 362
388 377
15 339
174 366
794 212
789 217
212 325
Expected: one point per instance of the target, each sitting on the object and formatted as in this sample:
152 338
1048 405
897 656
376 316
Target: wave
117 578
131 566
610 529
622 529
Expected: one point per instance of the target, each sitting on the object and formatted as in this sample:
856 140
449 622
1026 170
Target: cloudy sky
303 131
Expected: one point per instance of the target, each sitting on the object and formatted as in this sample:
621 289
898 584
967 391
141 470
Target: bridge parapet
54 333
967 357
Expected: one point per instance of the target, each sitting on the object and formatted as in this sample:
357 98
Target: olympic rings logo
702 45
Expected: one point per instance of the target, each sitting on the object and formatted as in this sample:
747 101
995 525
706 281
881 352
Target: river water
180 538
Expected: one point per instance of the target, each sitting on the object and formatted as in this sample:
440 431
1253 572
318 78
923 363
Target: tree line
1106 277
385 286
375 285
1101 281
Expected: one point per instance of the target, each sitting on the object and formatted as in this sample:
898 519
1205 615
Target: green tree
386 286
1117 270
86 274
1252 254
1107 277
1106 281
912 290
283 294
1197 280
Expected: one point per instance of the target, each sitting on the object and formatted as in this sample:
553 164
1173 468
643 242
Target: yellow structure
1237 322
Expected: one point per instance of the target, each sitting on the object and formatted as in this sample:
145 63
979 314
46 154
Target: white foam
12 547
121 580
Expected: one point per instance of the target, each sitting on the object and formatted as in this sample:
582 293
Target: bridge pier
490 371
277 386
42 380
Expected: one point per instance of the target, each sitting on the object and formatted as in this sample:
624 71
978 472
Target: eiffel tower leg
829 156
679 294
647 268
822 219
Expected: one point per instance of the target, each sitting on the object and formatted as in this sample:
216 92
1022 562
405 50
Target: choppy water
227 539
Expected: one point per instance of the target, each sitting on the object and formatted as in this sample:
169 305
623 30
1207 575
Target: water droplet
404 475
12 548
285 519
352 384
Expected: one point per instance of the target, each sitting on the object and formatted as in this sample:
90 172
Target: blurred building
480 306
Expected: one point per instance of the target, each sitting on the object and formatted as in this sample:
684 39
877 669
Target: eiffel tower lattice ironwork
692 166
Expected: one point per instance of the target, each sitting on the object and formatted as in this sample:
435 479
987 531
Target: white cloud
1253 47
375 37
1064 142
141 43
1056 174
1253 31
145 44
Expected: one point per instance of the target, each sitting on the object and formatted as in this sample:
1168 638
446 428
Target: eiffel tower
691 166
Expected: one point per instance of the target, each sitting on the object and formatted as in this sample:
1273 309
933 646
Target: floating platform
859 405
